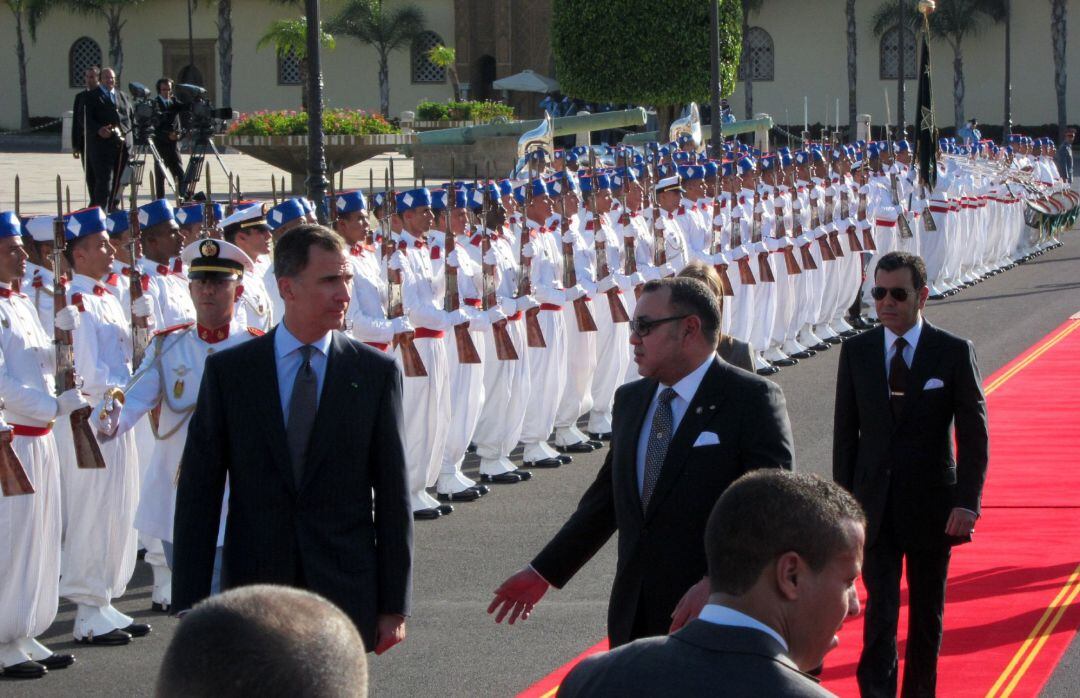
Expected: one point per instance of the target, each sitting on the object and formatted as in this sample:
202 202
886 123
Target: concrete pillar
862 127
65 131
761 135
582 137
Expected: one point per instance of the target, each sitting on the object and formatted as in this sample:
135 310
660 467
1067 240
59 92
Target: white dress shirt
722 615
912 338
288 360
685 390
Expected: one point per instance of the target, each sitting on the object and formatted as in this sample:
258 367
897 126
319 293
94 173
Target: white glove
395 261
525 303
637 278
143 306
452 259
719 258
69 401
495 314
107 415
478 320
458 317
528 251
400 325
760 247
490 258
606 284
668 269
67 319
738 253
718 220
572 294
569 237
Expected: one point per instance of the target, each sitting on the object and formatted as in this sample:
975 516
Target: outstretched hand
518 595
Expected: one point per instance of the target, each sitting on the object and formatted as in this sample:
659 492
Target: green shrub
336 122
480 112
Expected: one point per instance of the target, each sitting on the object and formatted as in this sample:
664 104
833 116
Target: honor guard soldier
38 280
170 377
118 279
161 243
100 540
249 230
30 515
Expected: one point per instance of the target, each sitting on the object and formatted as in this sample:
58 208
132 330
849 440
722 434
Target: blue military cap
785 160
474 198
873 151
285 212
117 223
711 169
305 203
589 183
438 200
784 150
459 198
682 157
727 168
580 151
10 225
86 222
746 165
569 180
816 154
902 146
155 213
190 214
691 172
40 228
506 187
768 162
666 171
378 199
802 157
349 202
538 189
413 198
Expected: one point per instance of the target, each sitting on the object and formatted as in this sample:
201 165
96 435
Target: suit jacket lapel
698 414
268 401
340 380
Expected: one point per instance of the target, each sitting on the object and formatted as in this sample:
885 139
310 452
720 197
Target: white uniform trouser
764 306
807 288
145 443
630 301
547 372
426 406
834 272
580 359
466 401
100 542
507 391
30 550
850 276
934 249
785 301
612 358
742 304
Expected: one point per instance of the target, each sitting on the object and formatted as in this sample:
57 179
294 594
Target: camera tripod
193 171
142 147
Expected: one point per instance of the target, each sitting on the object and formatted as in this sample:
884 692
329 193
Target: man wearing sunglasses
902 389
689 428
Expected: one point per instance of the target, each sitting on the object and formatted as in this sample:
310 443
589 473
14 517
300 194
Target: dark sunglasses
642 328
898 294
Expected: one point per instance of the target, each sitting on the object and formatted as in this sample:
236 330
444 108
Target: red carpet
1011 608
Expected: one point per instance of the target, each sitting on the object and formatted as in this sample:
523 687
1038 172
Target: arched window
890 55
288 69
758 55
84 53
423 70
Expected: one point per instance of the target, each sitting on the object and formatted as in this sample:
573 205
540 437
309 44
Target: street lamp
316 180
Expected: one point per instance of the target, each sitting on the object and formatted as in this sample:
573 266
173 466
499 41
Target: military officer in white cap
248 229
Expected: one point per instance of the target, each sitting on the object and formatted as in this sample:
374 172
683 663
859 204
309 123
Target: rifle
868 238
928 217
87 452
808 262
615 304
830 219
13 478
815 223
901 217
585 320
659 250
714 246
789 255
845 213
533 334
765 272
466 349
504 345
746 276
140 328
411 363
273 188
210 220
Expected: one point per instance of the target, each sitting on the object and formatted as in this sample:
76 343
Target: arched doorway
483 76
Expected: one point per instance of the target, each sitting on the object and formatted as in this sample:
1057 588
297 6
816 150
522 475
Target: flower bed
344 122
475 112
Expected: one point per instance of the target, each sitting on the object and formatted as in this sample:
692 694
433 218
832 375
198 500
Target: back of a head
264 641
767 513
706 274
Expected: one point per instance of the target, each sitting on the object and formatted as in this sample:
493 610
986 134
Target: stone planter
290 153
434 125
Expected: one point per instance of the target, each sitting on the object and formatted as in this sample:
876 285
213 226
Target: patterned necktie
899 373
663 424
302 406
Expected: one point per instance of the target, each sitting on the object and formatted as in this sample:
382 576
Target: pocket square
933 383
707 438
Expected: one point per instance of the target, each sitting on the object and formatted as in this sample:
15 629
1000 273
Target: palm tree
289 38
18 7
112 11
746 68
446 58
852 65
953 21
1058 30
224 47
387 31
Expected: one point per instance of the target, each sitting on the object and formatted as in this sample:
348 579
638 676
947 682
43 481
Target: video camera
202 120
147 114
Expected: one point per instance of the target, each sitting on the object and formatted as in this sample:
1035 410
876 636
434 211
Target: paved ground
453 648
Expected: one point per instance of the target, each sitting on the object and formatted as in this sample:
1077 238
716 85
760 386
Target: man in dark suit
306 423
108 134
166 138
900 391
78 124
784 550
680 436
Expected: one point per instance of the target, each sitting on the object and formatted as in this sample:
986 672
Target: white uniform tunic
30 544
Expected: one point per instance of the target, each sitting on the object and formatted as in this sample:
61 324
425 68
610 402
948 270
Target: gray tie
302 406
659 439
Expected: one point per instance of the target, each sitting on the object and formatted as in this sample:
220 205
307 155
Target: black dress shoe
605 436
25 670
159 607
502 478
426 514
481 489
471 448
137 629
579 447
834 340
597 445
469 495
785 362
523 474
848 334
804 354
445 509
545 463
768 371
113 637
57 661
820 346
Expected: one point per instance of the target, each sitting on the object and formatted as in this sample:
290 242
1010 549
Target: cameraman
166 137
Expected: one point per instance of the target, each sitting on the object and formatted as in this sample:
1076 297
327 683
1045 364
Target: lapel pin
354 385
698 410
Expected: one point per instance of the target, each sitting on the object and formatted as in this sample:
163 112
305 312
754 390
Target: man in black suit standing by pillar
306 423
901 390
78 124
684 432
108 135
